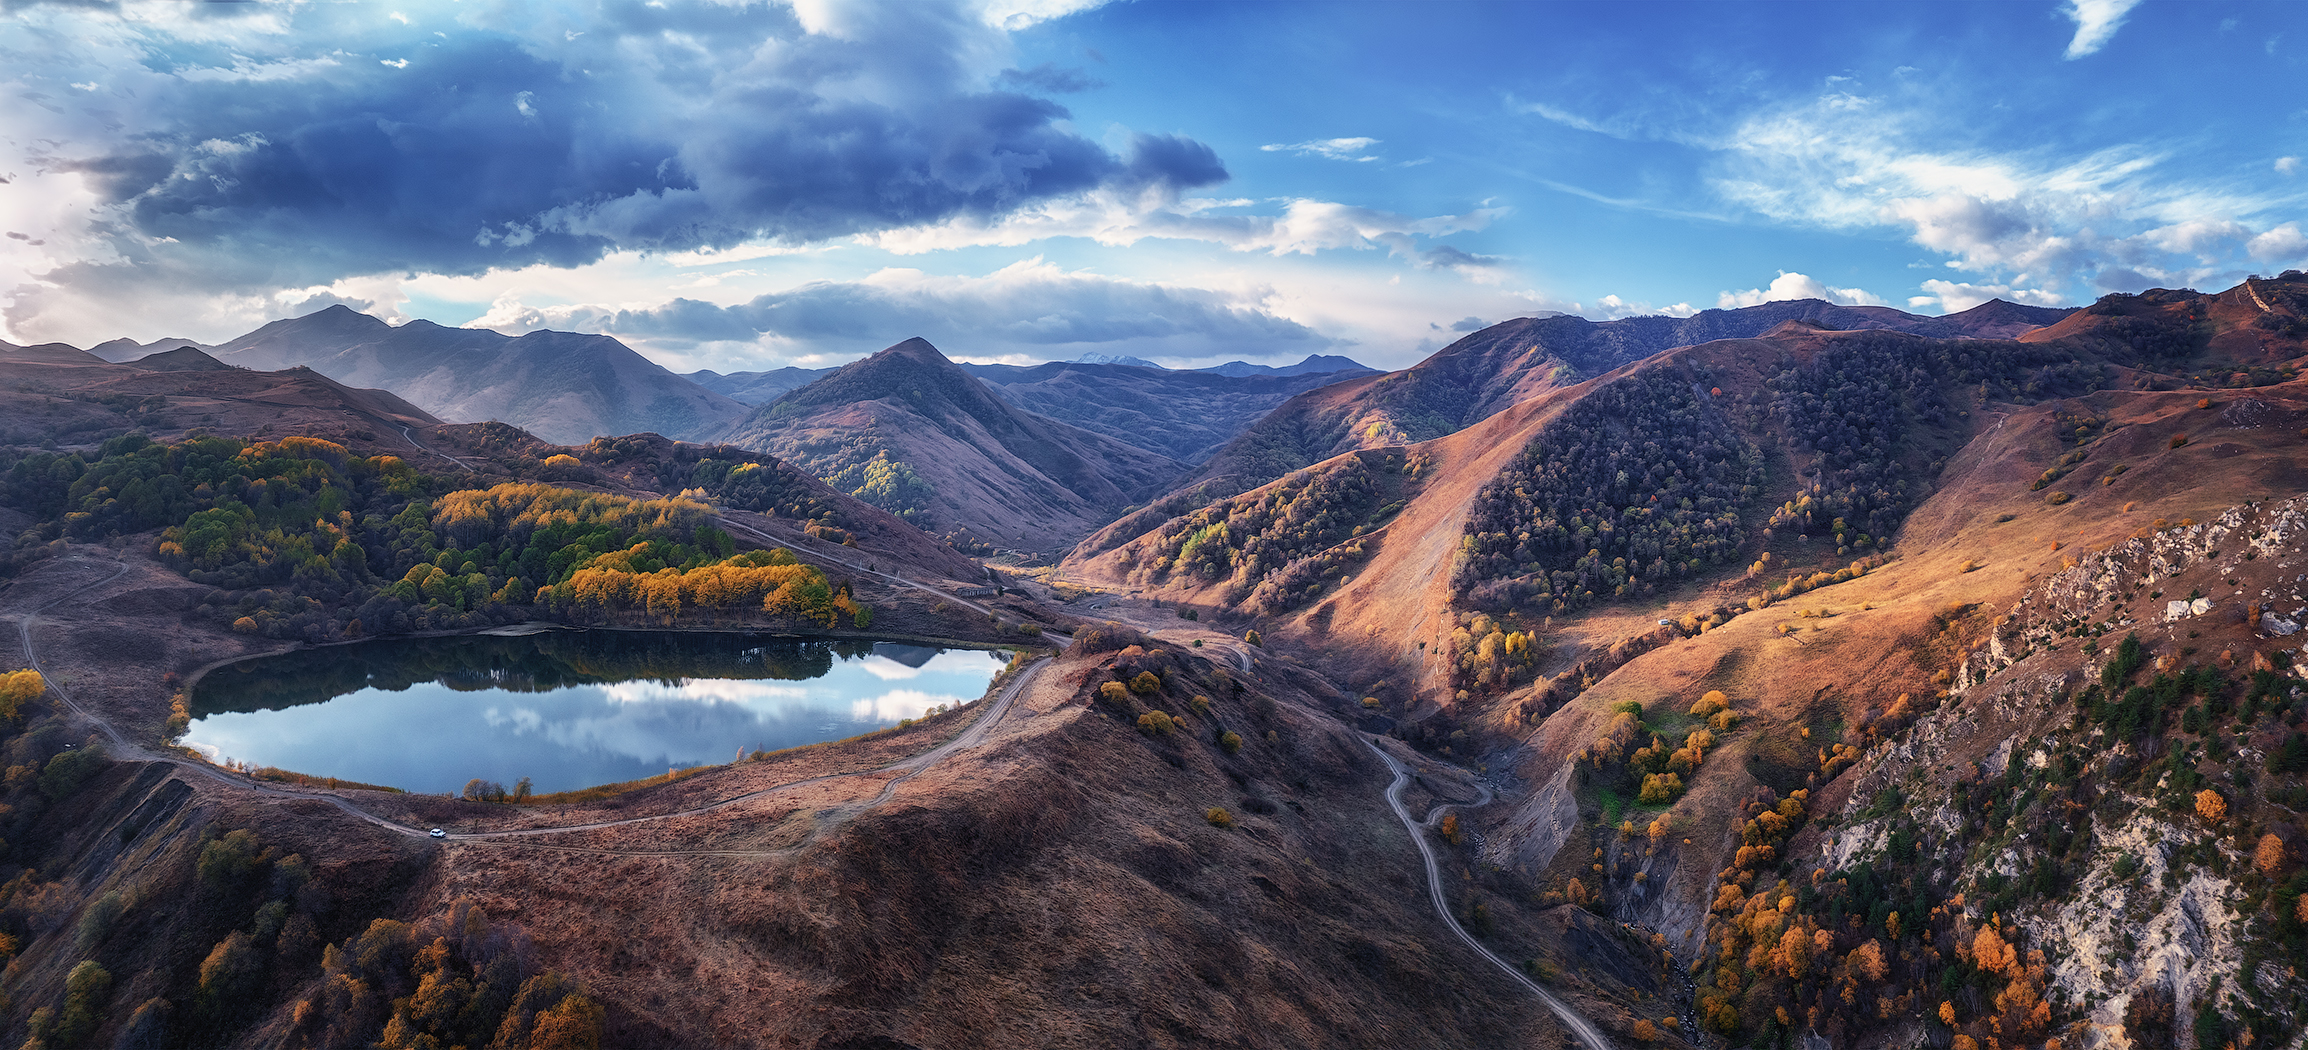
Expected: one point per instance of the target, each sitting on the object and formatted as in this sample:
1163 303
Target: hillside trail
1151 621
818 550
125 749
1581 1028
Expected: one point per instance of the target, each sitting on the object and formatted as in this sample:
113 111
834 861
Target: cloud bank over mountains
716 182
459 140
1030 303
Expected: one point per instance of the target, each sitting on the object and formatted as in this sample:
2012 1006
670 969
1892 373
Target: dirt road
1581 1028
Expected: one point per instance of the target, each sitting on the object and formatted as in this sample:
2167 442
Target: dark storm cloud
1050 77
552 137
1173 160
1445 257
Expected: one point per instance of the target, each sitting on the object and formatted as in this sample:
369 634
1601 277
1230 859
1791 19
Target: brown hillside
1513 361
54 392
913 433
2233 338
1852 649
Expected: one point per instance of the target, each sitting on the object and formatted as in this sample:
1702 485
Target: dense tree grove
309 541
1646 480
1640 481
1282 546
2157 328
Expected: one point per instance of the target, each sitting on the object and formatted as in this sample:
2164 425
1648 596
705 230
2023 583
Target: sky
742 186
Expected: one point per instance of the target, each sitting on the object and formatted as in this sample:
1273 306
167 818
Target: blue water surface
567 709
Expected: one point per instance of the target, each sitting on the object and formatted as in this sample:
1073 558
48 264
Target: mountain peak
182 359
916 347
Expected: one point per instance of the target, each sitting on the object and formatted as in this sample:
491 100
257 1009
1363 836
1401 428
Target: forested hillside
304 540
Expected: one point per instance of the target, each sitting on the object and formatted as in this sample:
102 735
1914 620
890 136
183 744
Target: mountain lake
566 708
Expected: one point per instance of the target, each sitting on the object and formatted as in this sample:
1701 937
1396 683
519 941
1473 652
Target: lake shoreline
572 709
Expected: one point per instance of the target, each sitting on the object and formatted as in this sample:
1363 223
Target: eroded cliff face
2132 587
2128 722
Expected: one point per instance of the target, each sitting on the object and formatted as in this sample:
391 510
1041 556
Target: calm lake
567 709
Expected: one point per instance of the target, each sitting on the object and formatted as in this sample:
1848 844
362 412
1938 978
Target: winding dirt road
125 749
1581 1028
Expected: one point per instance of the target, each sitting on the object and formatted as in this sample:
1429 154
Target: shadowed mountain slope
563 386
125 351
911 432
1315 364
182 359
55 392
1185 415
758 388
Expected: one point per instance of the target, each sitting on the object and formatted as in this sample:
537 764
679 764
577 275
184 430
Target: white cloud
2283 244
1332 149
1789 285
888 670
2096 23
1030 307
2201 237
1611 307
2287 166
1566 118
1955 297
2025 219
247 70
1014 15
898 704
701 690
1303 227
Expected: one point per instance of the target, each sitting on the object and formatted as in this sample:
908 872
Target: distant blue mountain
1315 364
1114 359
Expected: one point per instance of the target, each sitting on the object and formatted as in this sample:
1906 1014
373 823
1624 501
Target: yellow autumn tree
19 689
1990 952
1793 956
1867 961
2210 807
2268 856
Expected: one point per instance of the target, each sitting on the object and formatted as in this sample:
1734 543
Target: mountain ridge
914 433
566 387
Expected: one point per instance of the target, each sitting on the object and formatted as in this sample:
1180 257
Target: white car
438 833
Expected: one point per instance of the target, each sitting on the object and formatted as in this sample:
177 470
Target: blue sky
743 186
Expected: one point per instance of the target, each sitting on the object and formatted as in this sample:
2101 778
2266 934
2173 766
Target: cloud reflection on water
430 737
